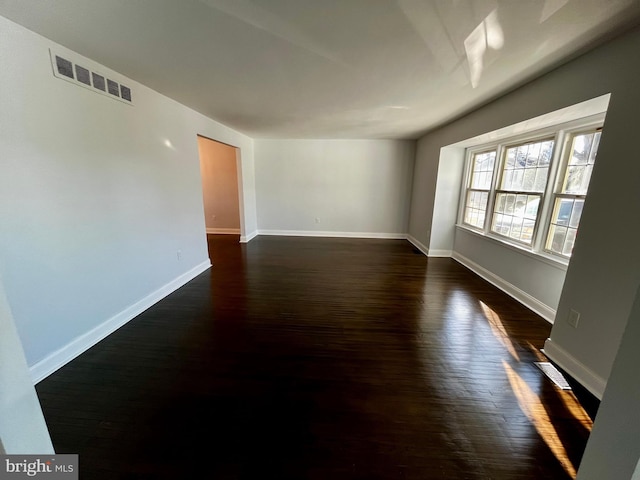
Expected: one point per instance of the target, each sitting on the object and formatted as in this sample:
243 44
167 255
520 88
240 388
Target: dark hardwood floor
306 358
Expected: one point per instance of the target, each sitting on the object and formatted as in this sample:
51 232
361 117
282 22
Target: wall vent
70 71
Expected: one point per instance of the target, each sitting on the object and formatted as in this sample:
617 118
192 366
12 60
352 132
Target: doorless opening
220 187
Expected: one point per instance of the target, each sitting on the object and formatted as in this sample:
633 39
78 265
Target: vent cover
82 75
553 374
66 69
98 81
113 87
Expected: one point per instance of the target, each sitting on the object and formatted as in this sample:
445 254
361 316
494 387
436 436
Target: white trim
248 238
314 233
64 355
419 245
440 253
223 231
583 375
545 311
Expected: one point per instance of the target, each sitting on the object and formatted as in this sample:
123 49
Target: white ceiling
328 68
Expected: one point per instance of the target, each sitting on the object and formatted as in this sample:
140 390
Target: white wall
359 187
22 426
94 205
601 280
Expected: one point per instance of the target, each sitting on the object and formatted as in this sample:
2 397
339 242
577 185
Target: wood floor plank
308 358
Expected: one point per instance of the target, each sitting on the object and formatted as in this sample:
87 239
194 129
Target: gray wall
614 444
603 274
350 186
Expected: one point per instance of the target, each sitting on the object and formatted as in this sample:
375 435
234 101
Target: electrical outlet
179 254
317 220
573 318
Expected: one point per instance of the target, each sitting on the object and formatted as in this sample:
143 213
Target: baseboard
545 311
418 244
248 238
223 231
440 253
583 375
64 355
314 233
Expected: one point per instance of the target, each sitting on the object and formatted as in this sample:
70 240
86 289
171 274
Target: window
522 184
571 192
478 191
531 192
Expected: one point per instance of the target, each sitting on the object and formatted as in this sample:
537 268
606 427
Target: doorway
220 190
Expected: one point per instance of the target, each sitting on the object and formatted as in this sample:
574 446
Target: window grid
569 201
538 194
524 175
477 197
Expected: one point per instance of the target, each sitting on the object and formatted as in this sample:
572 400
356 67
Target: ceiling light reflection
550 8
488 34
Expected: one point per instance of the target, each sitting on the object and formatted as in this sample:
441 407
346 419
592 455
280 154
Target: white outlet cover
573 318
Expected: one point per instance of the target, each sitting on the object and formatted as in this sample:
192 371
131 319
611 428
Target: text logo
51 467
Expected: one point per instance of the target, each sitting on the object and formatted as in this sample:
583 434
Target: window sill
541 257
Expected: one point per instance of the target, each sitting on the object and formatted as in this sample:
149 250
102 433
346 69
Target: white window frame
562 135
471 152
556 193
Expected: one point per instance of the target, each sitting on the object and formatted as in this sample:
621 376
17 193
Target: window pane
574 221
562 212
528 227
531 210
594 148
518 174
475 208
529 180
546 152
586 178
577 179
515 215
564 225
569 240
556 236
507 180
526 167
516 228
541 179
483 162
478 193
499 225
482 172
521 204
509 205
584 148
580 149
533 154
577 175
